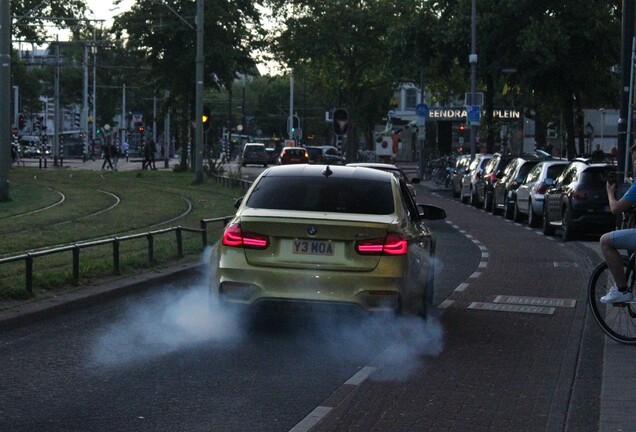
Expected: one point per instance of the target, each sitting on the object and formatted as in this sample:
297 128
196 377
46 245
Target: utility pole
5 98
627 67
56 104
84 118
473 74
200 62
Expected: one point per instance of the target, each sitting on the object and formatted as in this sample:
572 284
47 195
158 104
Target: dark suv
505 188
577 201
492 172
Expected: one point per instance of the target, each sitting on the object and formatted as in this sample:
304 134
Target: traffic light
295 124
206 118
462 127
21 121
340 121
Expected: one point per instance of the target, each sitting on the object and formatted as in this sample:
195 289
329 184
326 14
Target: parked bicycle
442 171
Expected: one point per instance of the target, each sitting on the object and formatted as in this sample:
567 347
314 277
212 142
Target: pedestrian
114 155
598 155
153 152
107 155
612 241
549 149
147 157
124 149
150 148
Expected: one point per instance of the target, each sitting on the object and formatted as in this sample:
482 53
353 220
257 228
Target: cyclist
612 241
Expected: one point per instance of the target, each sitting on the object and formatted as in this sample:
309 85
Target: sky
105 9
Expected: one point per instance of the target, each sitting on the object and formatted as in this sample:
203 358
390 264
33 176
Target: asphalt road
161 360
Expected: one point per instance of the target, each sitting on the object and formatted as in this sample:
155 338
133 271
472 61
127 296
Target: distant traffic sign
340 121
473 112
422 110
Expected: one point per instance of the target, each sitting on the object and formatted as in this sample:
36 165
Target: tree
163 35
36 20
349 48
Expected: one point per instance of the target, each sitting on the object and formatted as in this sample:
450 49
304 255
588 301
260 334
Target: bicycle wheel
618 320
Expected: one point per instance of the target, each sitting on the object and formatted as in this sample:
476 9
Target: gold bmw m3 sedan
334 235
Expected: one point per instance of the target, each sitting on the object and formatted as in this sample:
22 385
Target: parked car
293 155
393 169
504 193
272 156
492 172
254 154
315 154
331 235
471 180
331 155
529 202
577 201
461 165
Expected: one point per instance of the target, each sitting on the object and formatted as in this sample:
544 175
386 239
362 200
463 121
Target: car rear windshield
340 195
554 171
295 152
254 149
595 177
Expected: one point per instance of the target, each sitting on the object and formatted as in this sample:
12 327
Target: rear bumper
368 292
391 287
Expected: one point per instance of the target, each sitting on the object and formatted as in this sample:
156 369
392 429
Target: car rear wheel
567 230
508 213
488 202
474 200
548 229
533 218
495 207
463 199
517 216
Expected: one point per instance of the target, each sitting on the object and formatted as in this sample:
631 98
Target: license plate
312 247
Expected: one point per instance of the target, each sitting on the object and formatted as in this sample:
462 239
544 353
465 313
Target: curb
32 312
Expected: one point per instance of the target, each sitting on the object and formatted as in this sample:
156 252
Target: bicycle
617 320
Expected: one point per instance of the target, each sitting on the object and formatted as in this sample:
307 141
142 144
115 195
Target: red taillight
234 236
392 244
542 188
580 194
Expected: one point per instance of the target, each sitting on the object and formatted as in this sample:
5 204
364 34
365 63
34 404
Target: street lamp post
473 73
602 110
589 132
200 61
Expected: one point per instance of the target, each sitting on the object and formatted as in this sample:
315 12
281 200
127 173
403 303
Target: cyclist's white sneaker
616 296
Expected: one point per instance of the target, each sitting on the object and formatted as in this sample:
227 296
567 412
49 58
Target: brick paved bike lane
505 367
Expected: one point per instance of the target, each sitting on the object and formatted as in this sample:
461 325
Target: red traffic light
21 121
462 127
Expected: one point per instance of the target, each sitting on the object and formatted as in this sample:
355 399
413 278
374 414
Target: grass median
57 207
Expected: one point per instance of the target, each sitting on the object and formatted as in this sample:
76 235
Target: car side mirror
431 212
238 202
548 181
